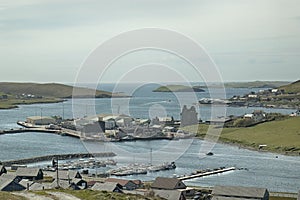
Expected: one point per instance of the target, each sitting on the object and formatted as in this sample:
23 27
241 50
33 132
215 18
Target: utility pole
55 165
150 156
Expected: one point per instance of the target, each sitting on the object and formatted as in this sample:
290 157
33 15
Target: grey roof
168 194
167 183
62 183
39 117
107 186
65 175
24 171
8 176
237 191
34 185
24 182
4 182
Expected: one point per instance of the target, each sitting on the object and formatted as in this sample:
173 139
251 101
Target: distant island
13 94
179 88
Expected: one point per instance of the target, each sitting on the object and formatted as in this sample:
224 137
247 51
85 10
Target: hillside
53 90
279 136
13 94
178 88
291 88
256 84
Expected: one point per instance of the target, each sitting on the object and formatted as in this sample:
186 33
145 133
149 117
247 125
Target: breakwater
59 156
209 173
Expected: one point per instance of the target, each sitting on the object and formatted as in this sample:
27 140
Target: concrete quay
207 173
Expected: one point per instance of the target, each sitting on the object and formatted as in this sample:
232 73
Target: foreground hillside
71 194
84 195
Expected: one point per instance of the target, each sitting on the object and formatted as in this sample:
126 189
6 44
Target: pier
59 156
198 175
65 132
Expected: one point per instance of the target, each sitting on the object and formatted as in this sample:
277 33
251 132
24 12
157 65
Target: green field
280 136
282 198
292 88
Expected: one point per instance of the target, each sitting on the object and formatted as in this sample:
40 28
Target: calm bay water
264 169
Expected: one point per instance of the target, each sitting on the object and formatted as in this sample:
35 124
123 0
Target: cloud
51 33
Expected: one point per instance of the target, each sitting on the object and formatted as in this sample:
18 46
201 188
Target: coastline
251 148
13 105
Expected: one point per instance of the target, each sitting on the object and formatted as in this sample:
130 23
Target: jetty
58 156
208 173
42 129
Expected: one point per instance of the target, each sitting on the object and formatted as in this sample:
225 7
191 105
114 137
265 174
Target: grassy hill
292 88
71 194
282 136
279 136
47 90
13 94
256 84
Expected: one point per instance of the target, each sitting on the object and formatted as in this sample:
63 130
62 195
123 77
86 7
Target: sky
50 40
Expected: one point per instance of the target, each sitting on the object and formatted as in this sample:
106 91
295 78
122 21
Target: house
252 96
298 195
95 127
2 170
168 121
163 183
11 176
10 184
79 183
30 173
218 120
16 166
68 175
170 194
239 193
40 120
76 184
126 184
33 186
257 116
108 186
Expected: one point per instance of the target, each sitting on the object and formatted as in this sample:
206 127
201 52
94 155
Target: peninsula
13 94
179 88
